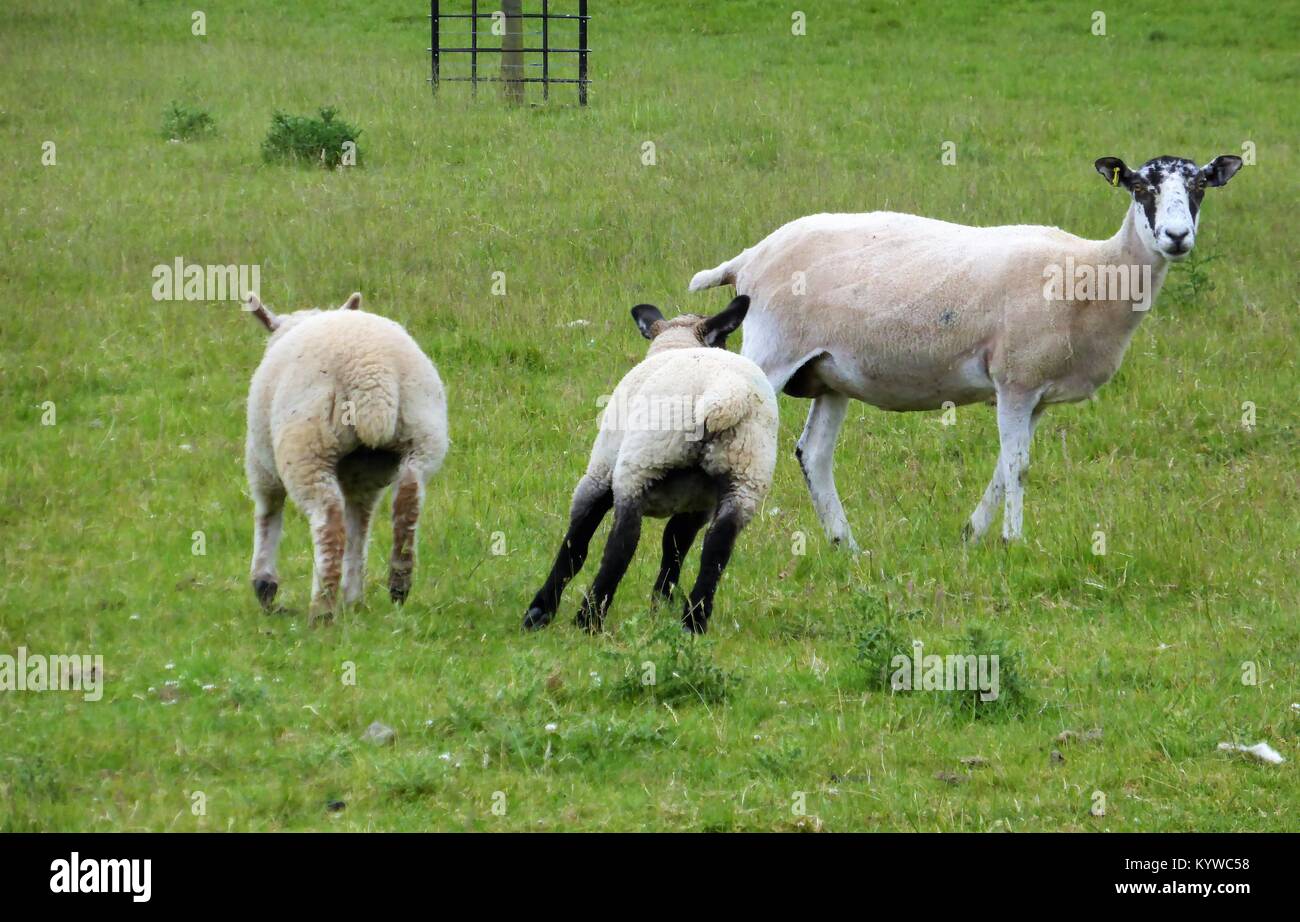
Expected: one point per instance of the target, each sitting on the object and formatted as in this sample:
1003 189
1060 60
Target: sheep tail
724 274
376 413
722 408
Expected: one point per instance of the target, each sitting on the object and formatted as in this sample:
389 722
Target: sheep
909 313
343 404
689 435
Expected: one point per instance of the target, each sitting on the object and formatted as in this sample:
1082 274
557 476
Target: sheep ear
1114 170
259 310
1219 170
718 327
646 316
353 302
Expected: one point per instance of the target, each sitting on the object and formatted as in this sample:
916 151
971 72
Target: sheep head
689 331
1167 195
274 323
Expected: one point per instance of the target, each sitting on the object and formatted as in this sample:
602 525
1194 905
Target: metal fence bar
520 16
524 50
512 80
546 51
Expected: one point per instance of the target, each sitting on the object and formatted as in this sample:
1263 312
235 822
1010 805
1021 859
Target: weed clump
1194 281
876 641
299 139
984 677
674 666
1013 699
183 122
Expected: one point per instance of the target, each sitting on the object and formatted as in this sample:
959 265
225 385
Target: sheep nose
1176 238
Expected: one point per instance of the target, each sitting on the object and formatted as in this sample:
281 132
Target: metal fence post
546 50
434 16
473 46
582 53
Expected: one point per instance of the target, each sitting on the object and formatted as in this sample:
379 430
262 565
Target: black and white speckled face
1167 193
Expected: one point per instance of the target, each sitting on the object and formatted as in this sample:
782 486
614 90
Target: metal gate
544 18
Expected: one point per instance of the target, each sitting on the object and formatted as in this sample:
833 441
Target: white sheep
688 434
908 313
343 403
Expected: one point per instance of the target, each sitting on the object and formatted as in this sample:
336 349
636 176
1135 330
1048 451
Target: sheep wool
343 404
689 435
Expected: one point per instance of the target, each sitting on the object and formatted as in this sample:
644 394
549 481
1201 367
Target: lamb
689 434
343 404
908 313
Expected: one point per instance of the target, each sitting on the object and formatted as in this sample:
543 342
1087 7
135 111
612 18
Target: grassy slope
752 127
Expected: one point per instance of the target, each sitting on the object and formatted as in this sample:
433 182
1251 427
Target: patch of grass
1013 698
185 122
673 666
1195 281
876 639
324 141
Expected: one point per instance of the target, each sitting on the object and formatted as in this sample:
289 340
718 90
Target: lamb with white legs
343 404
909 313
688 434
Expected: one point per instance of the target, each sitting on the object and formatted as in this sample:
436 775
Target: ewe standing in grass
689 434
909 313
343 404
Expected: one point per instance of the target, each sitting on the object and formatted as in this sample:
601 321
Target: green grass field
780 705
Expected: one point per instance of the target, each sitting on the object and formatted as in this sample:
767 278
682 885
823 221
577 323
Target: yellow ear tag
1114 179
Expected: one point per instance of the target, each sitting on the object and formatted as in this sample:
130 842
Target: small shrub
780 761
1193 280
1013 698
876 641
182 122
304 140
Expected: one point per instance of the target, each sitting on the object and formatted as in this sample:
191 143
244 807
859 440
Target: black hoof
695 620
587 620
265 590
536 619
398 590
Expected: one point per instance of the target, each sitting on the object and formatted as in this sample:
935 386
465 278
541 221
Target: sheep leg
982 517
268 526
716 552
816 453
619 548
984 513
324 508
358 508
408 494
679 534
590 503
1016 422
